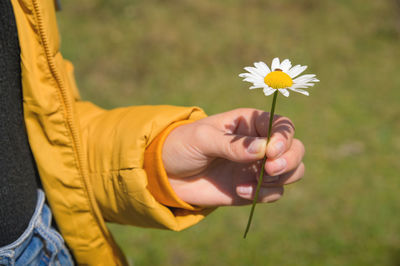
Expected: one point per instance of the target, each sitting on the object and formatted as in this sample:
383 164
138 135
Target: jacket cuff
158 183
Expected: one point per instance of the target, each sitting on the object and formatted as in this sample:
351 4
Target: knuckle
232 149
261 123
283 128
283 121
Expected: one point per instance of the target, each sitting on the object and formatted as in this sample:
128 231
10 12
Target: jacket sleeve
123 148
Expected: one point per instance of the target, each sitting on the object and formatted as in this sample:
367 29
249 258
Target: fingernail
245 190
278 148
279 165
257 146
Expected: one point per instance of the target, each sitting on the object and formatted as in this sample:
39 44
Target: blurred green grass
181 52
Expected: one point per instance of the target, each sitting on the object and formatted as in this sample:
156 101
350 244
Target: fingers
215 143
285 179
281 137
243 129
266 194
272 188
241 121
254 123
288 161
251 122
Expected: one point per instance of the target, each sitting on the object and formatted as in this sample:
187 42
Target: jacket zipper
71 125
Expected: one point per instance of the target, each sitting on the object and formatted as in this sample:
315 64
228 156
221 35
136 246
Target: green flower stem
260 180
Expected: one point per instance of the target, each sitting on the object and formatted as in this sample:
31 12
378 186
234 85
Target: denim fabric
40 244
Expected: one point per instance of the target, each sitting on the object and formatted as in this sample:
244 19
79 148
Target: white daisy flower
281 77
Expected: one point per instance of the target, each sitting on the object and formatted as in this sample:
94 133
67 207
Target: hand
216 161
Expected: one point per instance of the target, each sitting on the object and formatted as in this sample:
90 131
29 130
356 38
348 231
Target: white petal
296 70
262 67
255 71
286 65
275 64
259 85
256 87
284 92
300 91
304 78
304 83
268 91
251 77
310 80
247 75
299 86
308 84
253 80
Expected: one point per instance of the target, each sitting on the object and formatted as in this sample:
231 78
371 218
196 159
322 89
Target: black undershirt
18 176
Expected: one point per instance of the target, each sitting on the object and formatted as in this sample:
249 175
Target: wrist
158 180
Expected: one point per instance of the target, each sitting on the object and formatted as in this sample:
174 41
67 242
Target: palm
216 185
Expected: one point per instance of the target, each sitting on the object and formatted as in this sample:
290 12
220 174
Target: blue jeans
40 244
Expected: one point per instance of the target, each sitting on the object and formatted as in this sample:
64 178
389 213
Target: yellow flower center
278 79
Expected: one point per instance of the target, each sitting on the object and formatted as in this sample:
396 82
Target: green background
345 211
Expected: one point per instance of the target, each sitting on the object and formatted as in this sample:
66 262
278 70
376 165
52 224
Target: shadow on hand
258 126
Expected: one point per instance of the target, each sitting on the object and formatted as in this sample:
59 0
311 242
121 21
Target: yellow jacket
95 165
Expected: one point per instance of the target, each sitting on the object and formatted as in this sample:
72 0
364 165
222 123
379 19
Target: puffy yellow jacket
96 166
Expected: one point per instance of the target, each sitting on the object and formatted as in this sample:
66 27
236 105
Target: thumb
237 148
